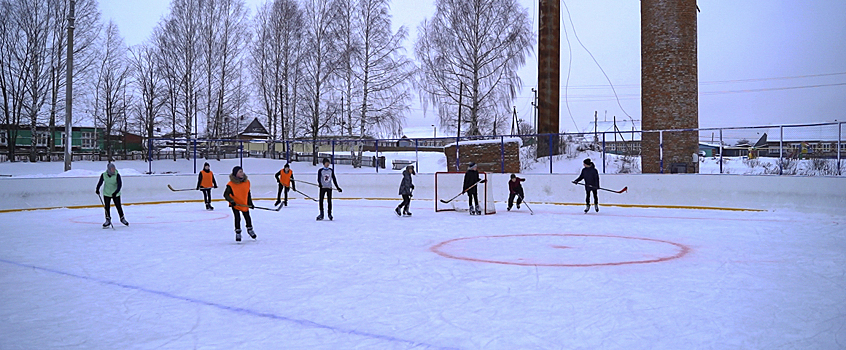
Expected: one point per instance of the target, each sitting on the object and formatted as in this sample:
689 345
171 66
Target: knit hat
205 164
235 170
513 176
471 165
287 165
110 168
588 162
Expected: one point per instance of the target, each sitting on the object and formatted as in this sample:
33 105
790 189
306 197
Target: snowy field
623 278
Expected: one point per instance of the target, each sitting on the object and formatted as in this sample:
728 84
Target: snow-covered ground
622 278
425 162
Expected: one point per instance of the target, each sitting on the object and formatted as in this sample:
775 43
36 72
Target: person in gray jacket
405 189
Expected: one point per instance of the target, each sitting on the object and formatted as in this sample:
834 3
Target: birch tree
477 44
112 79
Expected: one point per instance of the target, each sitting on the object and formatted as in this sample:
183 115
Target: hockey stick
523 199
262 208
182 189
104 206
462 192
305 195
625 189
315 185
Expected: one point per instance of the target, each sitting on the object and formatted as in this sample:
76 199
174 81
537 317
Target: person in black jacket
406 186
591 177
515 189
471 179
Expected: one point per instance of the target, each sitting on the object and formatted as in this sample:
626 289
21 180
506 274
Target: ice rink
622 278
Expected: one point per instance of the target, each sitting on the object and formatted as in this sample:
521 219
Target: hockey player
325 179
591 177
405 189
471 180
111 182
285 179
205 183
238 195
515 189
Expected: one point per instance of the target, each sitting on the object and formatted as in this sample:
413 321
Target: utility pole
69 89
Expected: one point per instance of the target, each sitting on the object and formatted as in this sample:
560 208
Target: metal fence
807 150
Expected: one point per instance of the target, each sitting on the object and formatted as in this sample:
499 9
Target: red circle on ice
562 250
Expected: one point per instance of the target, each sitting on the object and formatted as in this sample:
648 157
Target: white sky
758 40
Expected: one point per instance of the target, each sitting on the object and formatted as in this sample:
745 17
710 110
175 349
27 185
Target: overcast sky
761 62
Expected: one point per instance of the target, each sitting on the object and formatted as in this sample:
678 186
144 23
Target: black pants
279 192
518 194
206 195
588 191
406 200
107 201
473 196
247 218
327 192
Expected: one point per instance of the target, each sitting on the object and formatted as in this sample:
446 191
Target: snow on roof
509 139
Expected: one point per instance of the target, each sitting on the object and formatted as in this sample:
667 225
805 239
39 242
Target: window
89 140
825 147
61 140
3 137
41 139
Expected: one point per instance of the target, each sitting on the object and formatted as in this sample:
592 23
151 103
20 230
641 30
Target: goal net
449 184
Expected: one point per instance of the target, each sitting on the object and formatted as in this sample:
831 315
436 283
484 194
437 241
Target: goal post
449 184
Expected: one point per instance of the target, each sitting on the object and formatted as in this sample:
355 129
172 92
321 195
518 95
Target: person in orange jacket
238 195
205 183
285 179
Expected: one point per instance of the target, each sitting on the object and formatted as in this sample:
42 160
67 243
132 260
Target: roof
255 129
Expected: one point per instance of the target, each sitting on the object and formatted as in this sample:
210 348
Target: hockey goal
449 184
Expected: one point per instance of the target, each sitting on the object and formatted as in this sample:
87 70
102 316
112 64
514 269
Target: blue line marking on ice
305 323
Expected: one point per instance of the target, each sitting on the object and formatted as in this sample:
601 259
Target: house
618 136
85 141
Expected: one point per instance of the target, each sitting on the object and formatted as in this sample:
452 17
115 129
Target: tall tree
320 64
179 42
87 29
113 77
383 72
149 84
275 63
14 65
477 44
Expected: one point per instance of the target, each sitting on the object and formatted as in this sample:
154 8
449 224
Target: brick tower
669 85
549 73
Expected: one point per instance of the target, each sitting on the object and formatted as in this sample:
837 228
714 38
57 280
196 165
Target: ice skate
509 208
237 235
108 222
407 213
587 208
596 207
330 217
518 205
123 221
320 217
397 210
210 206
285 203
251 232
278 202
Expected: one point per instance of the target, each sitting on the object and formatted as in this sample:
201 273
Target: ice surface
623 278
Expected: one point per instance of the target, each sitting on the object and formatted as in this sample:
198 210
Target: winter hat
471 165
588 162
205 164
513 176
111 168
235 170
326 160
287 165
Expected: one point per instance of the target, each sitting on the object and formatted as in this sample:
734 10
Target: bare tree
275 63
320 64
232 40
87 30
478 44
14 73
383 72
34 22
179 43
149 84
113 76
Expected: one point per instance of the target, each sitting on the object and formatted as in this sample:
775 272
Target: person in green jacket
111 182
